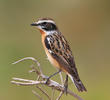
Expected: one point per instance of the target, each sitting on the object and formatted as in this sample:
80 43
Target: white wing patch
48 39
50 51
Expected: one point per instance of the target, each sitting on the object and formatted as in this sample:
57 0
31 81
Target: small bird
58 50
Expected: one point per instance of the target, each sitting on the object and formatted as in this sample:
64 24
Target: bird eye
48 26
44 23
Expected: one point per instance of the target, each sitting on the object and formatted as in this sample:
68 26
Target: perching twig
61 78
44 92
52 95
61 93
53 84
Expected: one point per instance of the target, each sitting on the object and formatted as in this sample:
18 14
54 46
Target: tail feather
78 84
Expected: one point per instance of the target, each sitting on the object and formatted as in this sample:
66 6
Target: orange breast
50 58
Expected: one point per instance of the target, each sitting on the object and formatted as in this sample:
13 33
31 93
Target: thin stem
53 93
61 78
58 98
53 84
44 92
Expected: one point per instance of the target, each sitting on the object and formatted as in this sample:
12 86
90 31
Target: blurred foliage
85 24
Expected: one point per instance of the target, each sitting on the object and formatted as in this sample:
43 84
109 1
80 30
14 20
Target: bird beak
34 24
37 25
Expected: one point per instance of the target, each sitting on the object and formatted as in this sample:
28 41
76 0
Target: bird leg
52 76
66 84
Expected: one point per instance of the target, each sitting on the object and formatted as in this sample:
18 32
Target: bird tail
78 84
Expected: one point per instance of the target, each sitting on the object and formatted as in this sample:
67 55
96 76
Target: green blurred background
84 23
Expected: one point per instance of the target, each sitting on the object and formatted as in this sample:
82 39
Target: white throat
49 32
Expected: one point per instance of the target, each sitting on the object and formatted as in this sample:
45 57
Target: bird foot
47 80
65 89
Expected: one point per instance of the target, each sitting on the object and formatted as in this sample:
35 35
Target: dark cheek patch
49 26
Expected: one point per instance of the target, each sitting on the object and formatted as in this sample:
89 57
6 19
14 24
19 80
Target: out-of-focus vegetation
85 24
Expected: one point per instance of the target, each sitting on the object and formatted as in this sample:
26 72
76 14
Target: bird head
46 25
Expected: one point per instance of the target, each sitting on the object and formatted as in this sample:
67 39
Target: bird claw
65 89
47 80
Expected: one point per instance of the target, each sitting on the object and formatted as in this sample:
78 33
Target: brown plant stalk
41 80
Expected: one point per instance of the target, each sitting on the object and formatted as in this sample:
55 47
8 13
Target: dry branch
42 80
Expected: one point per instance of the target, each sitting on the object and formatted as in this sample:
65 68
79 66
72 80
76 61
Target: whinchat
58 50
